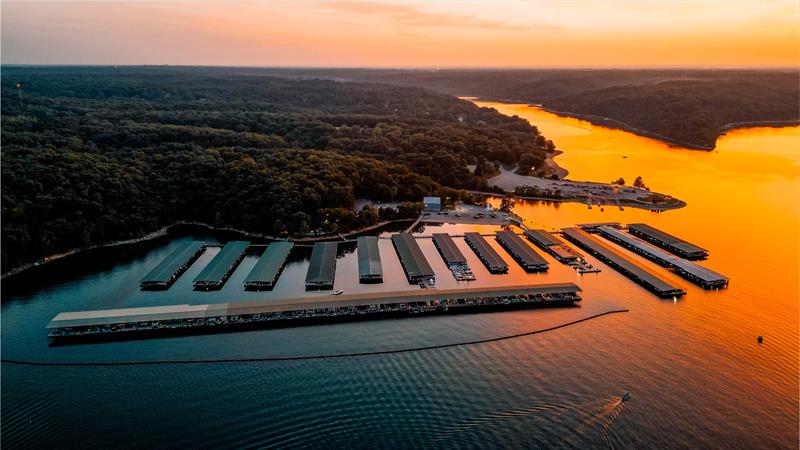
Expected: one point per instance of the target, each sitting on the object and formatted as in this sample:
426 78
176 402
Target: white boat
338 292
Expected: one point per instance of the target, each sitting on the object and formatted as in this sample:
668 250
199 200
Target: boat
338 292
626 396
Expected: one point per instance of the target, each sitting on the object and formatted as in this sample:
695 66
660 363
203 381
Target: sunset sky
454 33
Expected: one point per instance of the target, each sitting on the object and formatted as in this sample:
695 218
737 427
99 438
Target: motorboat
626 396
338 292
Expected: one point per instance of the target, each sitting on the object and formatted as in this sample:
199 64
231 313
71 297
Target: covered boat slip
667 241
265 273
214 275
370 269
173 266
553 245
523 253
451 254
412 259
490 258
322 268
623 264
693 272
85 323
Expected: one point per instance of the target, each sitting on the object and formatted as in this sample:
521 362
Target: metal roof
697 270
620 259
666 238
542 237
171 312
448 249
322 267
271 262
519 248
167 268
487 254
216 269
369 257
411 256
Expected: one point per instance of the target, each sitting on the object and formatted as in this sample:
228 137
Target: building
432 203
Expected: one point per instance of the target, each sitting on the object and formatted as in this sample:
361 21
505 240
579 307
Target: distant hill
689 107
98 154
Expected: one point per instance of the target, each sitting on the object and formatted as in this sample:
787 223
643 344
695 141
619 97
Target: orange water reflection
743 205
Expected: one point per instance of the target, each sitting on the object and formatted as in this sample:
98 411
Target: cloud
412 16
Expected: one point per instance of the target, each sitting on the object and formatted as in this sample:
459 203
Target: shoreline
619 125
165 231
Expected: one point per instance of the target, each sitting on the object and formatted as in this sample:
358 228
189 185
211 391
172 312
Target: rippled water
697 376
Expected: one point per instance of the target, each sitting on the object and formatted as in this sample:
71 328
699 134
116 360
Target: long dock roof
411 256
695 269
222 262
667 238
322 267
542 237
518 246
270 263
172 263
369 257
446 245
484 250
622 260
185 311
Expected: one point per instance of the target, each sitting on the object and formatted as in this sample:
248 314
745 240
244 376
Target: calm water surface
697 376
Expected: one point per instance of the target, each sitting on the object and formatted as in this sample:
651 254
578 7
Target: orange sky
462 33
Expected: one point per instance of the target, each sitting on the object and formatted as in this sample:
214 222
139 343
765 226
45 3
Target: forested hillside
689 106
92 155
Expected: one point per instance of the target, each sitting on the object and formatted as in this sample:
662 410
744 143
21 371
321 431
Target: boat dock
322 268
265 273
216 273
523 253
173 266
626 266
668 242
453 257
183 319
412 259
554 246
490 258
370 269
703 277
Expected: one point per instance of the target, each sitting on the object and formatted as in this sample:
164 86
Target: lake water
697 375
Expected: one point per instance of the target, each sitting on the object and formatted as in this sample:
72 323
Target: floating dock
173 266
668 242
216 273
413 260
703 277
185 319
619 261
523 253
265 273
322 268
554 246
453 257
490 258
370 269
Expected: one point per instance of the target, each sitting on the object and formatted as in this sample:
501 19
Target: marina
453 257
322 268
214 275
134 322
668 242
554 246
173 266
702 276
416 267
370 269
633 270
488 256
523 253
265 273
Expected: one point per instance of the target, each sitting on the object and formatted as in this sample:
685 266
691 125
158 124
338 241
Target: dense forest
92 155
688 106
